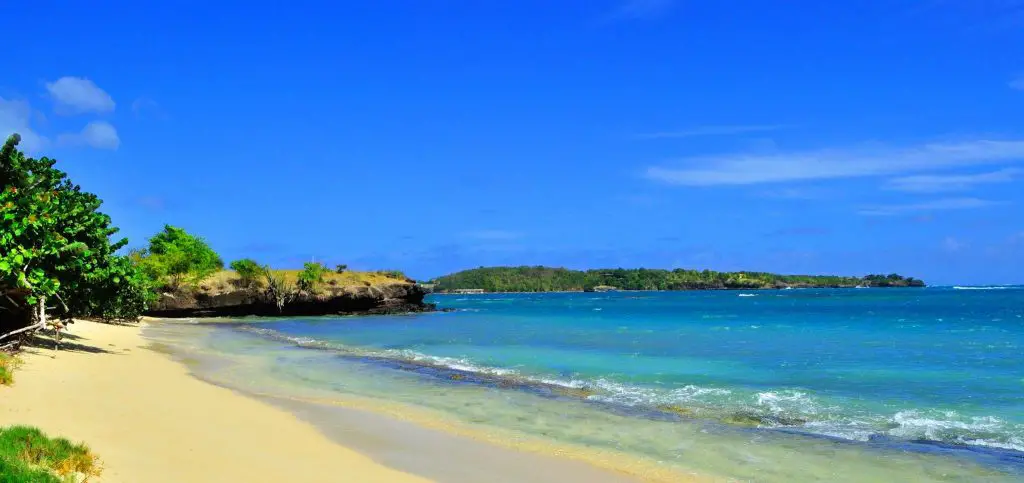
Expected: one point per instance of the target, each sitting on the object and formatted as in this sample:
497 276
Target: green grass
29 456
224 280
8 364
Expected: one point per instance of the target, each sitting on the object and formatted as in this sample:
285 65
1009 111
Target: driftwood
40 317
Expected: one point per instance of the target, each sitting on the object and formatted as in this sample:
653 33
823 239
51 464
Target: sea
873 384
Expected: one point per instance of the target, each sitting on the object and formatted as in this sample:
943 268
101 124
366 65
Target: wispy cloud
714 131
935 183
935 205
97 134
16 117
75 95
951 244
748 169
802 193
1018 83
145 107
640 9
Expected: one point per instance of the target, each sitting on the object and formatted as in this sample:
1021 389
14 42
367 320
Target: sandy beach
149 420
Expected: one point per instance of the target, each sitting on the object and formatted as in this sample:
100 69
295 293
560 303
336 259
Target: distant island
549 279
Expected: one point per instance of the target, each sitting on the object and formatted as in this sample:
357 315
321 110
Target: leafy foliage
56 244
311 278
249 272
176 258
279 290
546 279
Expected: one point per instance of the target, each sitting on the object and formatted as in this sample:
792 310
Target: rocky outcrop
378 299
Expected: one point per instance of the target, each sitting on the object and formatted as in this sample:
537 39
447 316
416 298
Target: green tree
311 278
176 258
249 272
56 253
340 268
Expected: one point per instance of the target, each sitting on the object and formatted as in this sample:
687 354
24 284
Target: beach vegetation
547 279
8 363
176 259
57 254
249 272
311 278
396 274
279 289
340 268
29 456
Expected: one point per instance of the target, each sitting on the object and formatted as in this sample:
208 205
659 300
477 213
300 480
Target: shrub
8 364
249 272
278 288
176 258
340 268
311 277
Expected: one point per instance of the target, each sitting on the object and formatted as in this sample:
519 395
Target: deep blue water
939 365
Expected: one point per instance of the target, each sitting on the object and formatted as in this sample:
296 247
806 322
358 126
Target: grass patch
8 363
29 456
226 280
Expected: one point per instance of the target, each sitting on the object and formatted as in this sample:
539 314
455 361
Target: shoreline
427 443
149 420
150 417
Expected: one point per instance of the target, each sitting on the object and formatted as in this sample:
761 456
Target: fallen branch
36 326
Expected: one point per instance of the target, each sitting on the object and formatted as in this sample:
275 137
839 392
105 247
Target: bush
311 277
56 250
27 455
8 364
176 258
249 272
278 288
340 268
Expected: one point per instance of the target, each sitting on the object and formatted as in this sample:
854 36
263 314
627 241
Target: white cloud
97 134
15 117
934 183
747 169
714 131
935 205
75 95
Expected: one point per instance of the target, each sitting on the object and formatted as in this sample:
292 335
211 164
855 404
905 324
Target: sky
795 137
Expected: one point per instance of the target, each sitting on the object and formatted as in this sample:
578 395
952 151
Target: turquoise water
910 378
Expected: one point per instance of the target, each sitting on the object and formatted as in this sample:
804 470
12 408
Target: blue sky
798 137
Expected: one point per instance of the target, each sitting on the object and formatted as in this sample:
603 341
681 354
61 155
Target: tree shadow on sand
46 341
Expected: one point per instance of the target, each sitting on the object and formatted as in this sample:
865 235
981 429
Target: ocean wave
790 409
988 287
747 295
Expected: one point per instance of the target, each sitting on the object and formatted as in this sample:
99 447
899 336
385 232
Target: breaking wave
793 410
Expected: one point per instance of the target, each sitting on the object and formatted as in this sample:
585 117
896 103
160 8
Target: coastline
416 440
149 420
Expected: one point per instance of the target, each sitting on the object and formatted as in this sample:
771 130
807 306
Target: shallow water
794 385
